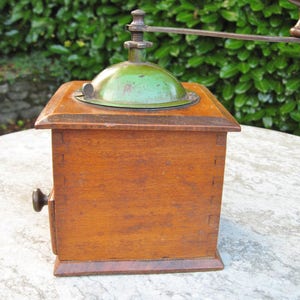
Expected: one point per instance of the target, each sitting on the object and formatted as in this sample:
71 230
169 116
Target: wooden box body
136 191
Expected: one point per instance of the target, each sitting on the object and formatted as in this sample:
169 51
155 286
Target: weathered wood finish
63 111
136 194
79 268
52 223
134 191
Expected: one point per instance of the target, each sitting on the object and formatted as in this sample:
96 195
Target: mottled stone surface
259 237
24 98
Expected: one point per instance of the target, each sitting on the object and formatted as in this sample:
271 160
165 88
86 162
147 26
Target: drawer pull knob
39 199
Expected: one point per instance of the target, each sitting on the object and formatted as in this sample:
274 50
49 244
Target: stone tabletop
259 238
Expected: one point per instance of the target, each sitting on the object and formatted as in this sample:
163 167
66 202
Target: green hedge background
258 82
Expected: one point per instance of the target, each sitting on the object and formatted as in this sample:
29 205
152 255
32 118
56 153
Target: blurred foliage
17 126
35 65
258 82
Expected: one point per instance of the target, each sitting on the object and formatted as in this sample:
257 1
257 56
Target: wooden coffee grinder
138 167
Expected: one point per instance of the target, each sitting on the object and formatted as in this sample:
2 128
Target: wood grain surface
136 191
79 268
65 112
136 194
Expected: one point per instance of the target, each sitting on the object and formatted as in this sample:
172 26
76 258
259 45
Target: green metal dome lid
134 83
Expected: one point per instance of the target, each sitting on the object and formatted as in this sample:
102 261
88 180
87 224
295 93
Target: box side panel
123 195
52 223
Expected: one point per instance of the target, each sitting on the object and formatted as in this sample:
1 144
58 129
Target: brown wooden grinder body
136 191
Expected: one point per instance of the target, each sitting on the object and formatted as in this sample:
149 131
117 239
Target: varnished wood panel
52 222
127 195
77 268
136 191
64 112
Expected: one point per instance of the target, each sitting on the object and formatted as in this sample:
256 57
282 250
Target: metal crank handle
220 34
295 31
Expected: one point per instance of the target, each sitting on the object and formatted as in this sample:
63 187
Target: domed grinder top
135 83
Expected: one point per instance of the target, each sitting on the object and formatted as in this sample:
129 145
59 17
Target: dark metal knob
39 199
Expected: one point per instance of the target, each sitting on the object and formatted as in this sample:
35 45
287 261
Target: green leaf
184 17
191 39
123 20
289 50
187 5
287 107
295 115
252 101
162 52
163 5
174 50
265 98
281 98
73 57
212 7
268 122
293 84
234 44
227 92
193 22
245 77
271 111
262 85
257 116
15 16
229 3
252 18
99 40
242 20
12 32
208 80
256 5
263 29
244 67
243 54
245 30
228 71
196 61
39 22
275 21
267 51
253 61
243 87
240 100
107 10
38 7
271 66
272 9
59 49
230 16
88 29
164 61
286 4
210 18
258 74
205 46
281 62
250 46
178 70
